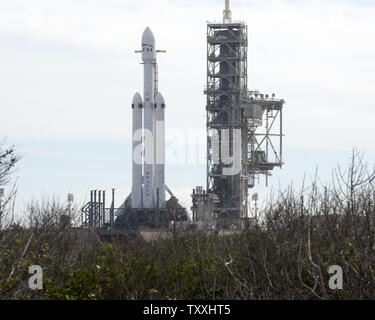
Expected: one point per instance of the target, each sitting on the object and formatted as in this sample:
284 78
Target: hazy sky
68 72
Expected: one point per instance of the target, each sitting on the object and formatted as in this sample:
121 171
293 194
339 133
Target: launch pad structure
244 141
107 220
146 205
242 125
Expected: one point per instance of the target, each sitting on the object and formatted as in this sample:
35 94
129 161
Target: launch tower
243 126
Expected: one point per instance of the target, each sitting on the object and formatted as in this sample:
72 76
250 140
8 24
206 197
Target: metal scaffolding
95 214
235 117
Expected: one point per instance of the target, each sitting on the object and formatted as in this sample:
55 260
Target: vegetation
285 256
8 162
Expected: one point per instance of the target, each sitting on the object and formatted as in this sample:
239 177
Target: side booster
136 195
149 192
160 151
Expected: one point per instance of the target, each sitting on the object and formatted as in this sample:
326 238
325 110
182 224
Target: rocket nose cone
159 100
137 99
148 37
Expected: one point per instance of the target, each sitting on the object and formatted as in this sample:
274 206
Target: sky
68 72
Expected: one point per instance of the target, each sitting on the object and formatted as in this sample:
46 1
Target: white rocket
160 151
149 193
136 195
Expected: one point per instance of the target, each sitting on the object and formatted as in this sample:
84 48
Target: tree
8 162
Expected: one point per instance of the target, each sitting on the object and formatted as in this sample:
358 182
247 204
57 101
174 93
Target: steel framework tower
234 118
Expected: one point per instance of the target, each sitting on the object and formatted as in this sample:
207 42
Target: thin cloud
69 71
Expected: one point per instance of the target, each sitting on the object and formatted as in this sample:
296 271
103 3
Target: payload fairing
149 192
